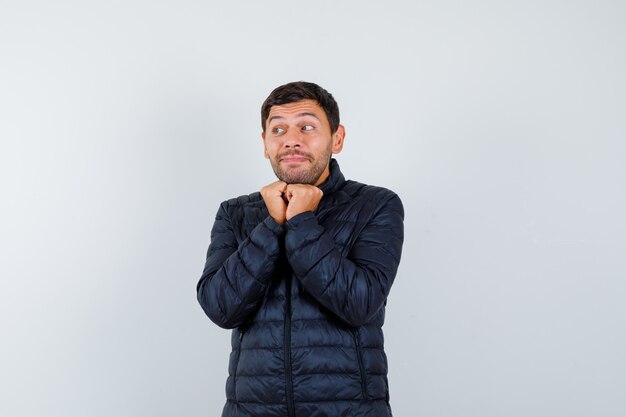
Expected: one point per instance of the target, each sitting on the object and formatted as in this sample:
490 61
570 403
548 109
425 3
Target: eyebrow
299 115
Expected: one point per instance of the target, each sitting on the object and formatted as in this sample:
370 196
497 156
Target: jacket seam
347 400
307 374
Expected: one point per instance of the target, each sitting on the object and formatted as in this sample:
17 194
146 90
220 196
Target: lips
291 159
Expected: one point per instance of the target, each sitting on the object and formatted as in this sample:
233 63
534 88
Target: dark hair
302 90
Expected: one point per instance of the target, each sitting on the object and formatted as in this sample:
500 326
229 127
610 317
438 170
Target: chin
296 175
296 178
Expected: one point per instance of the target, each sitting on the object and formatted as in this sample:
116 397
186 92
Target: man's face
298 142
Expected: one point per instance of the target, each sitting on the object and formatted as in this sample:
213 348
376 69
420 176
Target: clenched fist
302 197
284 201
275 201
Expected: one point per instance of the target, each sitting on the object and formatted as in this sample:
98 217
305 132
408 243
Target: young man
301 272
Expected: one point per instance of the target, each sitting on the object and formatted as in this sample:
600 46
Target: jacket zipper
288 376
241 332
360 360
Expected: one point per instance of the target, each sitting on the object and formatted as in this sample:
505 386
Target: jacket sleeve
354 287
236 277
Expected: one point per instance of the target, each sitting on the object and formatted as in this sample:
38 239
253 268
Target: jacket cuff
298 219
273 226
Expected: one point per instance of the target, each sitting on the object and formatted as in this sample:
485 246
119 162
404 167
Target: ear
338 138
264 146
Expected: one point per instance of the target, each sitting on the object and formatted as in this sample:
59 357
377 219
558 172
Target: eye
278 130
307 127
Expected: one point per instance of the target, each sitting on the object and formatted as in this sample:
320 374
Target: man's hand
302 197
273 195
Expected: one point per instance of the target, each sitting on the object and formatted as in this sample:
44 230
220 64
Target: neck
324 176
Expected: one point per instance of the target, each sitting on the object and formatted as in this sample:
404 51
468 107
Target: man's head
301 131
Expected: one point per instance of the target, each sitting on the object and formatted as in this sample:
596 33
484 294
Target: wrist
273 225
296 219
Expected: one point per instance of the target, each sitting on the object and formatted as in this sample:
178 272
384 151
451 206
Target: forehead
297 108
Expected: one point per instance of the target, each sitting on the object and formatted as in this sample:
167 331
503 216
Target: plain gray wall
124 124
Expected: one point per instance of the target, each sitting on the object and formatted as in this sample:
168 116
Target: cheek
271 149
323 145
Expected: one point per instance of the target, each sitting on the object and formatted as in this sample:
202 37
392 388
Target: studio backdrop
501 125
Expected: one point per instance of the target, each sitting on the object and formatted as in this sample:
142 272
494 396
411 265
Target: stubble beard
302 175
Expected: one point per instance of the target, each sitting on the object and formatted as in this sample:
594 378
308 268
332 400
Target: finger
280 186
294 189
276 189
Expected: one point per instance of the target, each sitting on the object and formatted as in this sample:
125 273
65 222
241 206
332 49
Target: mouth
294 159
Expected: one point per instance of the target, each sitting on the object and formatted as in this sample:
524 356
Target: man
301 271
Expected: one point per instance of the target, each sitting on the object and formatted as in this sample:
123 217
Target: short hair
302 90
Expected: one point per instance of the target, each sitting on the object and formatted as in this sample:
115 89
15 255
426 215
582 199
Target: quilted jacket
306 301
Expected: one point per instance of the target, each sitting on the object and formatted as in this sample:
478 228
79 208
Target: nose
293 139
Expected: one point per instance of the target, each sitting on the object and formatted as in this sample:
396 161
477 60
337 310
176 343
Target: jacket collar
335 180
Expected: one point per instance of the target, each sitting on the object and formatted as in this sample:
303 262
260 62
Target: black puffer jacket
306 301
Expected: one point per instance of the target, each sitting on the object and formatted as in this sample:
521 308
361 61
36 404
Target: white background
501 124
